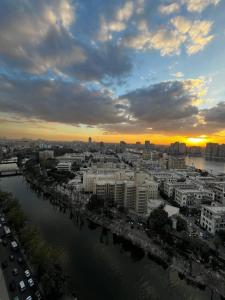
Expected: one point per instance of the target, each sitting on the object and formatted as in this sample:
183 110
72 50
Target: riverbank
188 268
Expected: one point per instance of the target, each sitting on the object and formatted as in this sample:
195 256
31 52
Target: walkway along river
100 269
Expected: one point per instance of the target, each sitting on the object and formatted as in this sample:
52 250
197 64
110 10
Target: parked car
14 245
29 298
27 273
16 298
15 271
4 264
22 286
30 282
4 242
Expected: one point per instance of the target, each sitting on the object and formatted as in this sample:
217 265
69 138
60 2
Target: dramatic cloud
193 34
57 101
166 107
37 38
215 117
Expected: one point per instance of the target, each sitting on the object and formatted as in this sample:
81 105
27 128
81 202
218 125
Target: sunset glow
114 70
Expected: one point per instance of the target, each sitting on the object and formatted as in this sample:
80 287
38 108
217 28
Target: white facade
213 218
169 187
193 197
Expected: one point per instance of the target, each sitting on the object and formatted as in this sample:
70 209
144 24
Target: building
178 148
213 218
193 197
215 151
176 163
45 154
64 166
219 190
169 187
123 188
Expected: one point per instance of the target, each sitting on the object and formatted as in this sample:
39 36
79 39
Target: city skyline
131 70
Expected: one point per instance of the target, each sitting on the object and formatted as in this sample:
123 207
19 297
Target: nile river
98 269
209 165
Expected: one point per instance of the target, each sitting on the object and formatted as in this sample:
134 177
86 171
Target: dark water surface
99 269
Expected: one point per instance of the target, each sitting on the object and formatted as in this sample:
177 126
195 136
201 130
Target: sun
197 140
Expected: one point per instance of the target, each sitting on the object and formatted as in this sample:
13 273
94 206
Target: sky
131 70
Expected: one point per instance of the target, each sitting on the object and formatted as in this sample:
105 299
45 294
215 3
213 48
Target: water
209 165
99 269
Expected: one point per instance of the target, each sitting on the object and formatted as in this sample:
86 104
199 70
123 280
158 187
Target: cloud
178 75
199 5
38 37
56 101
215 117
196 33
167 41
167 107
169 9
122 15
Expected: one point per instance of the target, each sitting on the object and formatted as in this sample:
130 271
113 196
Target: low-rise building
213 218
193 197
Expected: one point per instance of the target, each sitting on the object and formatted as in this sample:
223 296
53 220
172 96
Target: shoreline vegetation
45 260
191 258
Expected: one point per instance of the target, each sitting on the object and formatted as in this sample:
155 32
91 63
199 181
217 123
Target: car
16 298
4 264
4 242
29 298
12 286
30 282
38 295
14 245
20 260
15 271
3 221
11 257
22 286
27 273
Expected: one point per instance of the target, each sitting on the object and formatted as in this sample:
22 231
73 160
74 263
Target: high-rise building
178 148
89 140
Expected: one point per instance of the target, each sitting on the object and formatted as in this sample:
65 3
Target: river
209 165
99 270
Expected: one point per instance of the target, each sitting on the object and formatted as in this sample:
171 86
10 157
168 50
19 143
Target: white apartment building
219 190
64 166
213 218
193 197
169 187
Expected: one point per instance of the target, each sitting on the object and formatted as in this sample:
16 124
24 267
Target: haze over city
114 70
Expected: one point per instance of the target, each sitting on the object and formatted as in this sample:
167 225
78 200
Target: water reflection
209 165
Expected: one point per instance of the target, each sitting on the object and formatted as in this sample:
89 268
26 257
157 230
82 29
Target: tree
158 219
181 224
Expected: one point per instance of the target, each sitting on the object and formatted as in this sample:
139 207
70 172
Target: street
12 259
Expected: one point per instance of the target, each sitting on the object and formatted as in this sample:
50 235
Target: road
5 252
